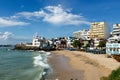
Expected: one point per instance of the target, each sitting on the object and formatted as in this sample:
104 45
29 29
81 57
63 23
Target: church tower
36 42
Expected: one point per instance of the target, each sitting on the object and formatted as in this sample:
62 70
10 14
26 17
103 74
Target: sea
23 65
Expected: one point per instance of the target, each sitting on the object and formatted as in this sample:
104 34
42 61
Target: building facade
84 34
99 30
36 41
116 30
115 34
113 48
113 44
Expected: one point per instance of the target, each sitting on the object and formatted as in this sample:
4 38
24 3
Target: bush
115 75
77 43
102 44
104 78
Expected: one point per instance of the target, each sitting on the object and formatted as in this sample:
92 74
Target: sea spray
41 61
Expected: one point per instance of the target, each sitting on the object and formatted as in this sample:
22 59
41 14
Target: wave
38 58
48 53
42 51
41 64
41 61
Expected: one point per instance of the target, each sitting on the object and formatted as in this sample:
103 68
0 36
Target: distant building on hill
99 30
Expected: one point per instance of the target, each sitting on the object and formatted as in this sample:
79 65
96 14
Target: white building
39 42
84 34
114 38
69 41
116 30
115 33
113 48
36 41
96 42
113 44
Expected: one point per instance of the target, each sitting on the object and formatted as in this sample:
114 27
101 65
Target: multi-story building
84 34
115 34
113 48
36 41
116 30
39 41
99 30
113 44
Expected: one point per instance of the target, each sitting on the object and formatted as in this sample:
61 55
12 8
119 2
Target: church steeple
36 35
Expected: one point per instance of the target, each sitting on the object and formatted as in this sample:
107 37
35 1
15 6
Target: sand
62 70
80 65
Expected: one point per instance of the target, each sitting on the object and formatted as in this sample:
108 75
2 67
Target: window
113 49
117 49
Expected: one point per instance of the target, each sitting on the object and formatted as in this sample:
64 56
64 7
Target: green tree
102 44
77 44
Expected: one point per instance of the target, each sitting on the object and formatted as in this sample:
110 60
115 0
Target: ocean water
22 65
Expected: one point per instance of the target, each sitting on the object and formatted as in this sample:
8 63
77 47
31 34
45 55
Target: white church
38 41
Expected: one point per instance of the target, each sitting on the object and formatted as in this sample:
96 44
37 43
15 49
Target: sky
21 19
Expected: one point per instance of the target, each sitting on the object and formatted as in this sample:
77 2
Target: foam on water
41 61
38 58
48 53
41 64
42 51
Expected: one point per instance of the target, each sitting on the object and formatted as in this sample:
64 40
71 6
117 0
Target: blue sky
20 19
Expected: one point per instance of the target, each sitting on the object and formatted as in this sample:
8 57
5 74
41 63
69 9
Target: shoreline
62 70
85 66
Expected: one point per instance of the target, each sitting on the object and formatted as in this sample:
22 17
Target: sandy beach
76 65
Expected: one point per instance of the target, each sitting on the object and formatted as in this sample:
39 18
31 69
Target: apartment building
99 30
84 34
116 30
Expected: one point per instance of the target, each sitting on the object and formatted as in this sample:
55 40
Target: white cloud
5 35
55 15
10 38
29 15
8 22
